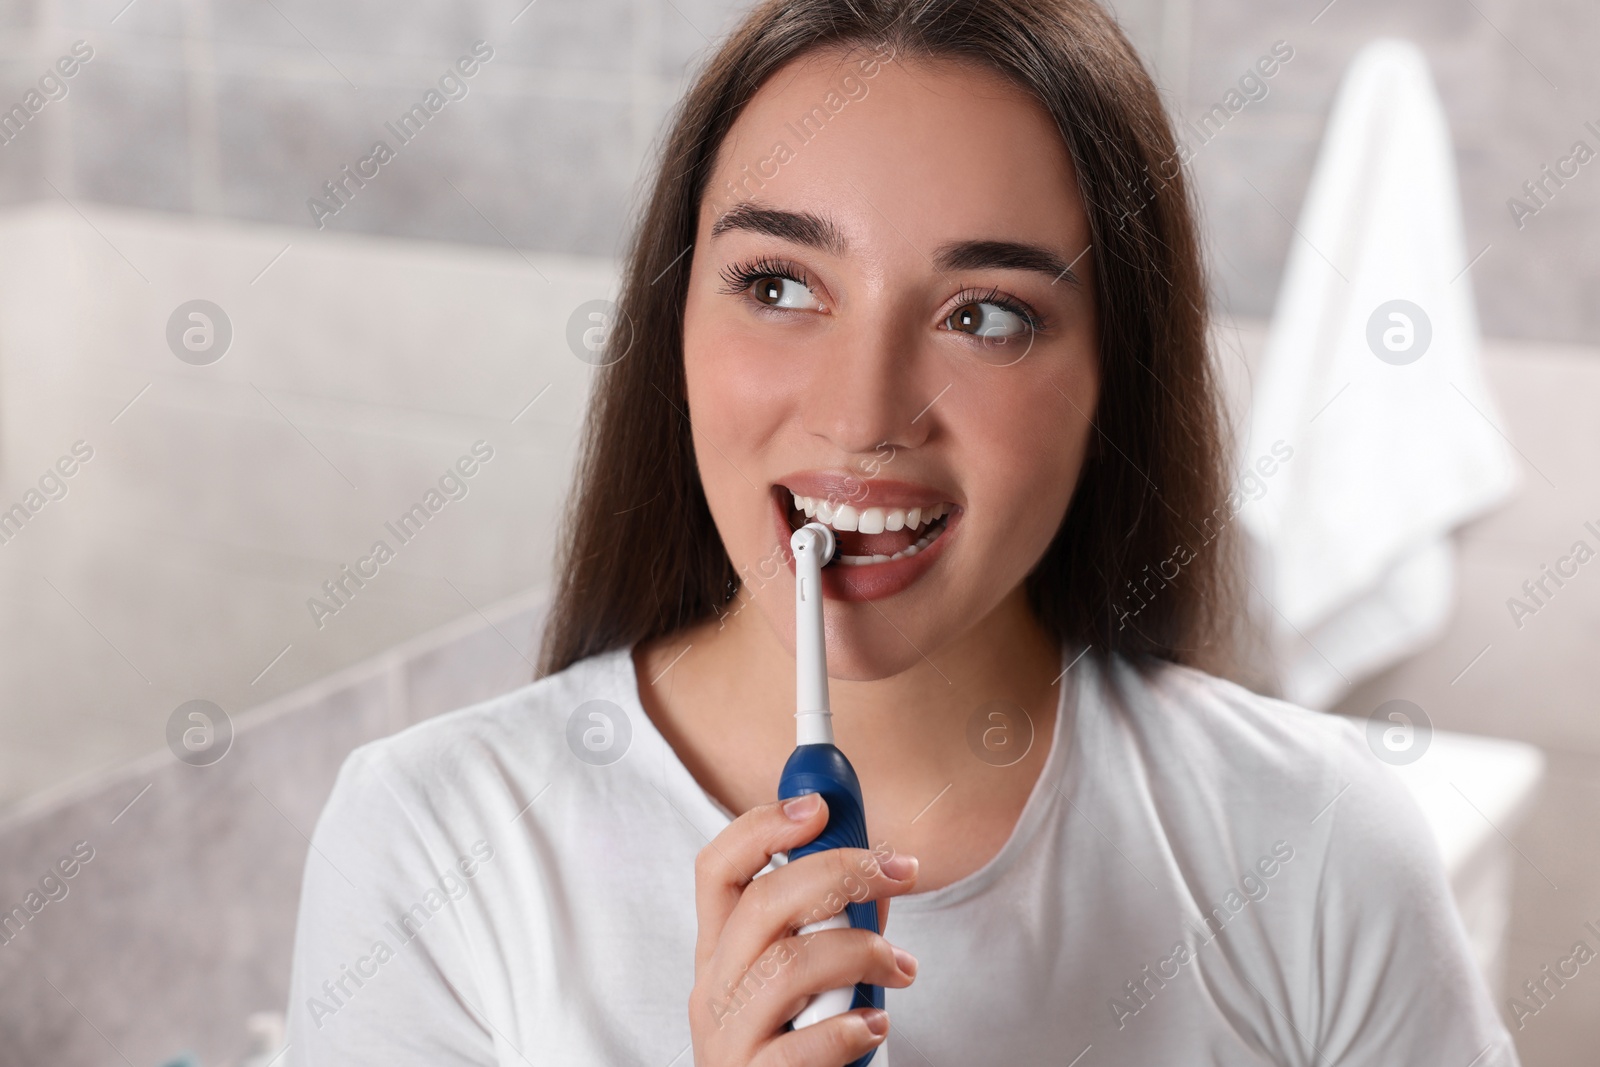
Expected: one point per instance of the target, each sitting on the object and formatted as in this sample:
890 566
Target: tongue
855 543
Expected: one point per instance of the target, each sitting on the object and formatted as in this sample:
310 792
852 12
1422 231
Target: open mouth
870 535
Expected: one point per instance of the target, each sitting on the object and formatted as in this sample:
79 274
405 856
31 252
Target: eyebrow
1004 255
801 227
815 231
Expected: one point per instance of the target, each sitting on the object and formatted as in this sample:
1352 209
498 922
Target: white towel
1351 538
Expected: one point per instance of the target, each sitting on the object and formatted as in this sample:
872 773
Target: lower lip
870 581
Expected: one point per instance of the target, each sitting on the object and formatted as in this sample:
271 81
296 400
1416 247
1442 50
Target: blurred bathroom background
190 486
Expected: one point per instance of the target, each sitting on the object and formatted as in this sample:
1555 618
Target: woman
926 272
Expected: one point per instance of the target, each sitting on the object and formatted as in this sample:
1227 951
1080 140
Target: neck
727 706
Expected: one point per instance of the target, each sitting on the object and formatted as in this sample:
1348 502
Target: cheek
1029 441
735 399
738 395
744 379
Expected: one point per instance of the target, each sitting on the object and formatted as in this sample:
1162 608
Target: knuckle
712 867
855 875
825 959
827 1042
777 965
785 1052
881 952
763 897
840 1037
702 865
798 961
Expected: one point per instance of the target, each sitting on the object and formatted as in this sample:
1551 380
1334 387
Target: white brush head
814 536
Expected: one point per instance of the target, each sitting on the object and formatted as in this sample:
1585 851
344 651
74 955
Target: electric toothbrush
817 766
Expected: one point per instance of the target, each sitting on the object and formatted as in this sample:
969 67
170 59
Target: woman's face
891 316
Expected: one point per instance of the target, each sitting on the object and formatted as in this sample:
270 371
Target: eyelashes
738 277
1001 300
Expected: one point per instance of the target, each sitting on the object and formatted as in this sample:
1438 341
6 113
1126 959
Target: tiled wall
183 560
180 924
246 109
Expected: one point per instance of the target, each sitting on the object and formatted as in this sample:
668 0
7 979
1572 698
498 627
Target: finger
801 892
779 984
833 1043
735 856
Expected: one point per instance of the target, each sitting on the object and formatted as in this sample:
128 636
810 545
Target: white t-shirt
1200 876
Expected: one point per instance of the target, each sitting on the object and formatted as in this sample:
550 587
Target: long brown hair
642 556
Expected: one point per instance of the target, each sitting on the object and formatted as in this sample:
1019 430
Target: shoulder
1201 724
1213 745
1374 961
462 765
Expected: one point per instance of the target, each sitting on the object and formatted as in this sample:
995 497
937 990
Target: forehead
930 145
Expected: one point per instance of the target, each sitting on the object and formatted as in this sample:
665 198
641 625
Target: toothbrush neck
813 723
813 727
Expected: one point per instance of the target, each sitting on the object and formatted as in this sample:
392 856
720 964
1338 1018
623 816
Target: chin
862 645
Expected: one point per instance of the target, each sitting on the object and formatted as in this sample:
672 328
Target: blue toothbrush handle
823 769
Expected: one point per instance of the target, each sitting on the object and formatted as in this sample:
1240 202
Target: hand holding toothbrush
753 972
811 917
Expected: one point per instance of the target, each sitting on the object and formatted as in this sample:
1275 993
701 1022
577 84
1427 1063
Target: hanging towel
1371 376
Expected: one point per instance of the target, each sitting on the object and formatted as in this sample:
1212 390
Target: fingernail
907 962
801 808
899 867
877 1021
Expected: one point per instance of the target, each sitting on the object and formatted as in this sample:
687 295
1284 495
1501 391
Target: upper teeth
868 520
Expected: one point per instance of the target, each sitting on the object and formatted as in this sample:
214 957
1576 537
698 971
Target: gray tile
513 157
438 30
691 30
138 18
130 135
495 659
18 14
281 140
196 885
442 31
282 23
1250 188
22 158
540 174
556 36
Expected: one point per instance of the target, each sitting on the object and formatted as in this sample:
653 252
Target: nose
865 390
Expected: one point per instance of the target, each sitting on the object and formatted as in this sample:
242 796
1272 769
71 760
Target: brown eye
774 290
966 318
984 319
